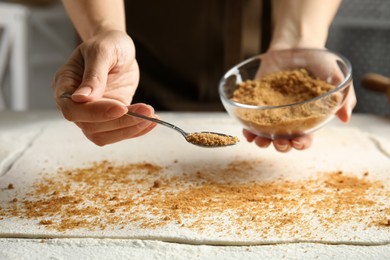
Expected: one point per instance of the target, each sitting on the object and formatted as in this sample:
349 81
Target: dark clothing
184 47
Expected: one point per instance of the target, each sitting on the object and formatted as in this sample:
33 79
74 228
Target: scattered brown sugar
108 196
45 222
387 223
211 139
156 184
285 88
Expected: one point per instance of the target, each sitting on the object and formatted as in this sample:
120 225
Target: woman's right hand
95 87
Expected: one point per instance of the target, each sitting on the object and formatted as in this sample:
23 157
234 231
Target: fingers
98 111
298 143
67 79
302 142
345 112
259 141
97 65
120 122
262 142
124 127
104 138
248 135
105 121
281 145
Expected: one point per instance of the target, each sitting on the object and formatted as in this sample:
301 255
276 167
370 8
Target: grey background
361 32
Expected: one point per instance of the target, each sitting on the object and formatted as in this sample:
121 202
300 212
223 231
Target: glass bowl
292 119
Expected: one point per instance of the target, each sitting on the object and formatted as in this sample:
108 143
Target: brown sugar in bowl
285 94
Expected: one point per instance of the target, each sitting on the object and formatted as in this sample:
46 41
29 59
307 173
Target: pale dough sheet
13 144
335 149
31 249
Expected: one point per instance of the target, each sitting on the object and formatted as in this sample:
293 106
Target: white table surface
16 123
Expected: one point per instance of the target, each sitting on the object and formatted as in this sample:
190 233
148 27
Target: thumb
94 79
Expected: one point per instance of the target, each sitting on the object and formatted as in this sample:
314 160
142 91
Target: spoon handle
158 121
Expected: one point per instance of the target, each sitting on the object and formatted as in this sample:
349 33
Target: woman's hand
319 65
94 89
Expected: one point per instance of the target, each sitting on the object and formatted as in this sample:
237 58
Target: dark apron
184 47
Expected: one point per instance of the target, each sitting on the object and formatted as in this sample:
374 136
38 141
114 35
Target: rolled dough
27 249
311 184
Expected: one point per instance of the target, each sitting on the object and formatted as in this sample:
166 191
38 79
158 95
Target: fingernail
83 91
282 147
297 145
115 112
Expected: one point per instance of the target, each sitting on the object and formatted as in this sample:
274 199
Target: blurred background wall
361 32
36 37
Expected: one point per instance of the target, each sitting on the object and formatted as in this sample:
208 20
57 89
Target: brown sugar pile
285 88
281 88
211 139
107 196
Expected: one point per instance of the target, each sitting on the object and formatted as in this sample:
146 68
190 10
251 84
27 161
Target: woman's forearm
302 23
93 16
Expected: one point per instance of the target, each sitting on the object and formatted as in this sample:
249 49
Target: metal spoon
203 139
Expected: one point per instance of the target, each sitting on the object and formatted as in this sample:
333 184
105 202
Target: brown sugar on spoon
211 139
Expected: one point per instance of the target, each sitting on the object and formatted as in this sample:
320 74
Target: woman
102 74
